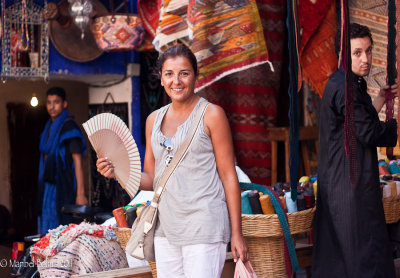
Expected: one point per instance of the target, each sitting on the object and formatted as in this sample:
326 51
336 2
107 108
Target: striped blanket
225 35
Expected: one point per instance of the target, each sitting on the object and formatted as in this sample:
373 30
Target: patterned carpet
226 36
250 97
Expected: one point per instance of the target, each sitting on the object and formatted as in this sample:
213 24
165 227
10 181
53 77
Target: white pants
189 261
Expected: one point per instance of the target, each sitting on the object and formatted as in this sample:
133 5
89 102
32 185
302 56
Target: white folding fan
111 138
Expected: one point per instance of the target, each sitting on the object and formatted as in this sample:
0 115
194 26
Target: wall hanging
25 41
117 31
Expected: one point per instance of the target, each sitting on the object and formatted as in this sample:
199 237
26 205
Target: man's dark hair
356 31
58 91
360 31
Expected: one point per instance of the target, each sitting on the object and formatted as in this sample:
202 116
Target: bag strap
176 160
114 11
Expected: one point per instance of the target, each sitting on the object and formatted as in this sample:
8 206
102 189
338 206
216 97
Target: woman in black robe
351 238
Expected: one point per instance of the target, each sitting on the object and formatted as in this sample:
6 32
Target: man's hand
394 89
81 200
379 101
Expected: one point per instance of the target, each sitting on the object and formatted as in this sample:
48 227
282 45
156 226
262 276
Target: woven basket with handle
123 235
264 237
391 206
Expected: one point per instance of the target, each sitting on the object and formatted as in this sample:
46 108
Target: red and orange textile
249 97
311 16
226 36
317 53
149 12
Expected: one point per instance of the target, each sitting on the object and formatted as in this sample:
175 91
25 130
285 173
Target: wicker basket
264 237
123 235
391 206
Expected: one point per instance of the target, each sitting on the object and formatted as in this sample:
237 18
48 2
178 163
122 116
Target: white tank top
192 208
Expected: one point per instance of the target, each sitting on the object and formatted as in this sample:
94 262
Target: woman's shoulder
214 111
214 118
151 118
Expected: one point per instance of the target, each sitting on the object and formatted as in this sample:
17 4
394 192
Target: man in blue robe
61 179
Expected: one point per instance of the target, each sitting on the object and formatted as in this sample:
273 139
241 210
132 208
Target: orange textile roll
139 208
384 170
120 217
266 205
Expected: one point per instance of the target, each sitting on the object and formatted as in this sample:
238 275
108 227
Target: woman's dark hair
58 91
175 51
356 31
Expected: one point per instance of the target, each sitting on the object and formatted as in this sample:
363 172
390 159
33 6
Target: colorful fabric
317 56
78 249
149 12
311 16
249 97
226 36
118 32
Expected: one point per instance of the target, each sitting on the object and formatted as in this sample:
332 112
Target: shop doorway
25 123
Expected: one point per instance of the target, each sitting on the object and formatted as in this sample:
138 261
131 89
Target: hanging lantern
80 11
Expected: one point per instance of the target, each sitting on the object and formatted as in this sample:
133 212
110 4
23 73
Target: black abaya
351 238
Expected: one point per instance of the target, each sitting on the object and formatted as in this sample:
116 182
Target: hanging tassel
397 3
349 124
294 87
391 66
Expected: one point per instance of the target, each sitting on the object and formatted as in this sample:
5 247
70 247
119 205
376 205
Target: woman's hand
239 248
105 167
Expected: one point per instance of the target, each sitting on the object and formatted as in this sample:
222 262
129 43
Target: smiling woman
199 212
178 78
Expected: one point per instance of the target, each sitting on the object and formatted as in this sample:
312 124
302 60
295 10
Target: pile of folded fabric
255 202
78 249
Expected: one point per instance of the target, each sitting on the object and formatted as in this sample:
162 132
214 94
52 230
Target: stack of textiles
255 202
387 167
389 173
125 216
78 249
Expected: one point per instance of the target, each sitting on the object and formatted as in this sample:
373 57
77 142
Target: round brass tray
67 40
